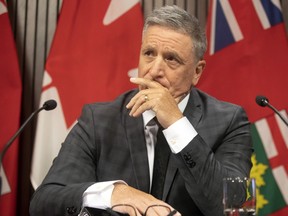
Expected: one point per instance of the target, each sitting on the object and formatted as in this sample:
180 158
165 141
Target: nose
157 68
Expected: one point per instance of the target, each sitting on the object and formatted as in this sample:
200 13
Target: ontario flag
10 103
94 51
248 56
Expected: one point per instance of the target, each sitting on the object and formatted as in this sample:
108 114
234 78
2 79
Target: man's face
167 57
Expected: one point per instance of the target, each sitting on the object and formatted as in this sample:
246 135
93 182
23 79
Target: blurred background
33 24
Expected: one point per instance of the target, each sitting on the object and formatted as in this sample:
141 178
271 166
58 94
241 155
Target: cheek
141 69
181 81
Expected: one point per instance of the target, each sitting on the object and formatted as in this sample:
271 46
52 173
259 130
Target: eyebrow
166 52
148 47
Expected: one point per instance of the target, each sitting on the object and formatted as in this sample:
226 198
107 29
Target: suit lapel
137 144
193 112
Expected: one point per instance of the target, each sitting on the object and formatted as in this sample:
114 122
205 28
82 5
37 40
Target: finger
141 109
139 106
179 98
133 101
145 83
143 95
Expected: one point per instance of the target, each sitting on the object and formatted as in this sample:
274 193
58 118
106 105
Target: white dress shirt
178 135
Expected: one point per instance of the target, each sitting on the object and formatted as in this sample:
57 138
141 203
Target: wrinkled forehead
171 28
164 30
157 33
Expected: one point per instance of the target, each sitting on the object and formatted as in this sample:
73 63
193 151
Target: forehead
164 36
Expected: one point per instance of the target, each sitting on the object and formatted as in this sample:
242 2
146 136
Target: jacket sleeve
222 148
72 172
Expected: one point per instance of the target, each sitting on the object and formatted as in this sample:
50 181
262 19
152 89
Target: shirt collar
150 114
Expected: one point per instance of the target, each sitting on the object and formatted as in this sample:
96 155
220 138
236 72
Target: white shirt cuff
99 194
179 134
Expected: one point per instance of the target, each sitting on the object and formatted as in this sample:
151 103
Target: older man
166 143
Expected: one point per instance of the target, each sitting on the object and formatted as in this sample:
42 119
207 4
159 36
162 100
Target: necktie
162 152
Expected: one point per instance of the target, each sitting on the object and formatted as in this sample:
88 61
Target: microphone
263 101
48 105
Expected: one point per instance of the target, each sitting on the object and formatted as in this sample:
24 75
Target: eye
171 58
148 53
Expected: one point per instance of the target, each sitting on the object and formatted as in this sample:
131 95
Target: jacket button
191 163
187 157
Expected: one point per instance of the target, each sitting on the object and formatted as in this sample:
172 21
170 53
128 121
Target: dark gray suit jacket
107 144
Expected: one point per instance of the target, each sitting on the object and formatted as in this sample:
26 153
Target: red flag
95 48
248 56
252 62
10 99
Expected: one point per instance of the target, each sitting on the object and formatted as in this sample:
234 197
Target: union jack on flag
225 27
248 56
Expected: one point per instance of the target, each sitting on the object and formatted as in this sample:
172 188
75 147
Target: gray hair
181 21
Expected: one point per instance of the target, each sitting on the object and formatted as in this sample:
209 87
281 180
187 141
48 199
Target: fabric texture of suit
107 144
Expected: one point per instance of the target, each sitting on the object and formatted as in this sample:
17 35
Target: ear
198 71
